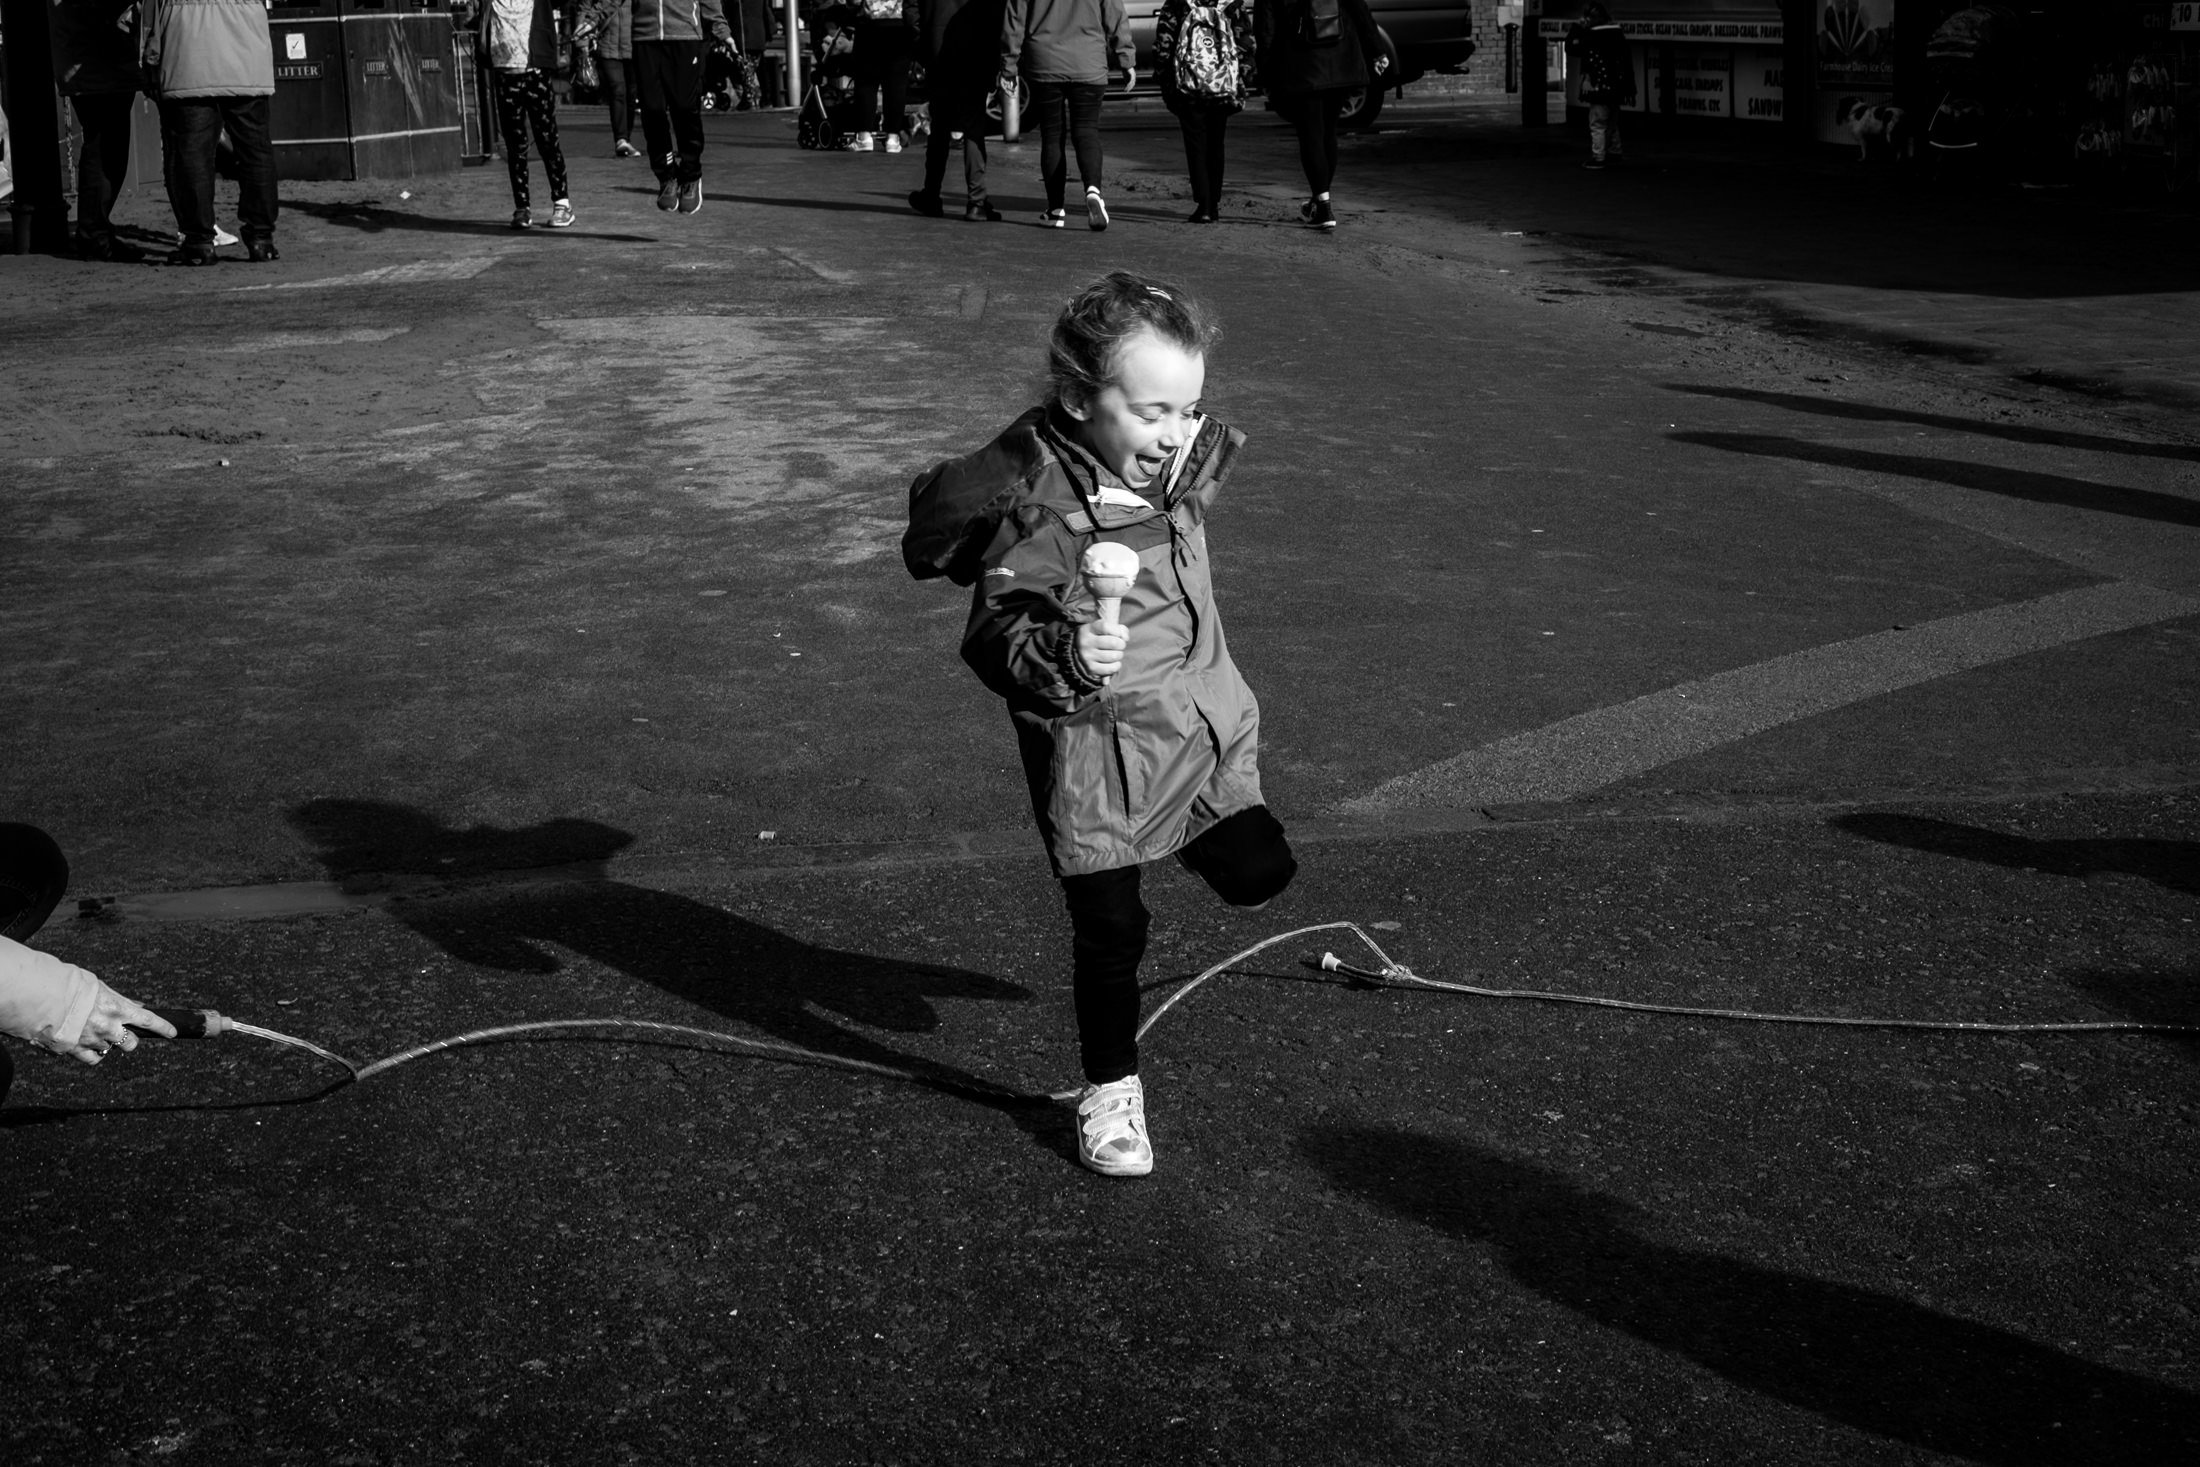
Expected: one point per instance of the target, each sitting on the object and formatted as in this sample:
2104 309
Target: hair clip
1157 290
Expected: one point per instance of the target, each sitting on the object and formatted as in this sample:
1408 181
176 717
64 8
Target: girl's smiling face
1136 423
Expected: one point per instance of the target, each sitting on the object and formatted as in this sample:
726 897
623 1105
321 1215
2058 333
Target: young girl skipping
1139 738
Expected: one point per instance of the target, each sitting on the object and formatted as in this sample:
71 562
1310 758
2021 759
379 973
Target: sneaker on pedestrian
1096 210
1321 216
1204 214
691 197
1594 165
523 219
624 149
561 214
1111 1129
1054 218
978 209
261 251
193 255
668 194
223 237
859 142
928 205
893 142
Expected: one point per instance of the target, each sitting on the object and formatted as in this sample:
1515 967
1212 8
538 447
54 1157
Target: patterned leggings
523 98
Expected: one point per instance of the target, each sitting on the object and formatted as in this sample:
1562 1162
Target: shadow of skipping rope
1876 1363
745 972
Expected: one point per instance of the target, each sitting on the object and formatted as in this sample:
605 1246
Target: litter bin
364 89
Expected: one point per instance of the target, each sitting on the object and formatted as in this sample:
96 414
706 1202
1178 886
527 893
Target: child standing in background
519 43
1139 738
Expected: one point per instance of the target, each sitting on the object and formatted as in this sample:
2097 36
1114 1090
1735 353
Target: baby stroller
828 116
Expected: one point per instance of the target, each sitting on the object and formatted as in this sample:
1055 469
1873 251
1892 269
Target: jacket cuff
1065 658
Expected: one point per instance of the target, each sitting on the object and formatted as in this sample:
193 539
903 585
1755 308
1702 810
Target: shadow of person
781 987
2030 485
1873 1362
2171 863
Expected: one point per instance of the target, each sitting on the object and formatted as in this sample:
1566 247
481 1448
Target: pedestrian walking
1312 55
670 38
519 41
95 55
615 70
1598 46
1139 738
884 38
1203 59
958 41
211 68
1062 48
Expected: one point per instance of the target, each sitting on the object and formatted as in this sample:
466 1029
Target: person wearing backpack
884 38
1203 55
1312 54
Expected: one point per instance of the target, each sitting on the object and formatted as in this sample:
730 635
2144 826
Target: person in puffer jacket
1139 738
670 38
211 67
53 1004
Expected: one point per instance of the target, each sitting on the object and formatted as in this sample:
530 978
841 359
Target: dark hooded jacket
959 42
1127 772
1293 64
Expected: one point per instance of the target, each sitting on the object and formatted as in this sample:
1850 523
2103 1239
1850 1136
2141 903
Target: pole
794 54
1535 80
40 210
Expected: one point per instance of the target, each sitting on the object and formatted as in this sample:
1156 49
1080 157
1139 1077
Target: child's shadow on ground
1881 1364
770 984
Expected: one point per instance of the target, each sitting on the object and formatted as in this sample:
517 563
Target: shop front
1704 59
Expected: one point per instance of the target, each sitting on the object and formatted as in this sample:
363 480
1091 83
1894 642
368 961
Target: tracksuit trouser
669 75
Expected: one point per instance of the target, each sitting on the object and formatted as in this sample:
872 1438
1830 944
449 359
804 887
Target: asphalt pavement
1730 583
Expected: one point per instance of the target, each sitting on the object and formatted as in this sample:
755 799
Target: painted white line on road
464 268
1591 750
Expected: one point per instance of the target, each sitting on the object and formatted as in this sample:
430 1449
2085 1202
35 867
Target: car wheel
1361 108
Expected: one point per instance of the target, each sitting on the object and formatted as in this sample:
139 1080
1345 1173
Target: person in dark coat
959 40
96 64
1599 48
1312 55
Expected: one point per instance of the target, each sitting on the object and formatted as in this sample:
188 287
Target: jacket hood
956 507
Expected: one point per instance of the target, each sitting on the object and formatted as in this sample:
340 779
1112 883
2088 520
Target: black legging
1313 116
1245 858
524 100
1203 128
1072 108
881 63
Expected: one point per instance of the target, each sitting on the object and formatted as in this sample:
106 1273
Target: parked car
1421 35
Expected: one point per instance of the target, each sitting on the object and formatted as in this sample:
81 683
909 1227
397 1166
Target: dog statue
1877 127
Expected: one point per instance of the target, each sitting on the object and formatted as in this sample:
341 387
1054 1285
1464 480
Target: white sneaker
1096 210
1111 1129
893 142
859 142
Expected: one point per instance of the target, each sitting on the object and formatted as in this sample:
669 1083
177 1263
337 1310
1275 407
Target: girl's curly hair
1081 355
